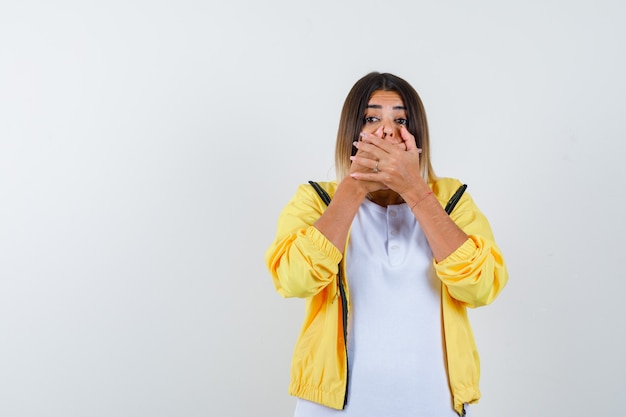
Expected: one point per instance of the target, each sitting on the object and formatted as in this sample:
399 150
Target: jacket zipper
344 316
342 293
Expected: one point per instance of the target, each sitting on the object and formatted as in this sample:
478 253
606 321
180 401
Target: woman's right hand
366 159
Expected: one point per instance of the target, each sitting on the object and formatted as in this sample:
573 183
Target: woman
386 273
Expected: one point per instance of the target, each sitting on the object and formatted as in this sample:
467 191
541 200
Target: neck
385 198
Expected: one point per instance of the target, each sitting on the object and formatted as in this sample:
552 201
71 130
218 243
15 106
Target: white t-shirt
395 345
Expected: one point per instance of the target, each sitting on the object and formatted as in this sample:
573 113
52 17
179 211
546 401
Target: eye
402 121
371 119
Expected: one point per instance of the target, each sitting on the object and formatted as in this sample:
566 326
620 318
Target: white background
147 148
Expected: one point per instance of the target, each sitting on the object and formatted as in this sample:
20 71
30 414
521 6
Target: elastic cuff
462 253
324 244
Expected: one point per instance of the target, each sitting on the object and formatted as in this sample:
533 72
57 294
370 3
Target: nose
388 131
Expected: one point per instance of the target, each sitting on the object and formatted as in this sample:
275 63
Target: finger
360 151
377 142
368 176
408 138
368 163
366 148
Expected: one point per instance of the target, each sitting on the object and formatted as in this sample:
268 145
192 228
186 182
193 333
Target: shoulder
307 190
445 187
306 200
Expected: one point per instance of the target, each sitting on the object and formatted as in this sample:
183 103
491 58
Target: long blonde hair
353 114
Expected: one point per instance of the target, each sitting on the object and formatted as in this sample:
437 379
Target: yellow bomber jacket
303 263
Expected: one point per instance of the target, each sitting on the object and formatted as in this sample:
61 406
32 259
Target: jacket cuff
464 252
325 245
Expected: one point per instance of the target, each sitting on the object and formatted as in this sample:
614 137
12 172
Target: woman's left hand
396 165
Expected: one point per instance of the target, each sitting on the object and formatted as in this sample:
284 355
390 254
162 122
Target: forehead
385 99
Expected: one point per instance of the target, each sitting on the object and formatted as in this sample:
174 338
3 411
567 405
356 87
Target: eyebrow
378 106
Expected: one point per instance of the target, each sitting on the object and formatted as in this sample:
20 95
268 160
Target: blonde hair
353 114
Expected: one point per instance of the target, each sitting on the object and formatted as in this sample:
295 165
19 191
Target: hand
357 168
397 163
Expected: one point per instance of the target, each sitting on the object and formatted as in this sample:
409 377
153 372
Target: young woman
386 272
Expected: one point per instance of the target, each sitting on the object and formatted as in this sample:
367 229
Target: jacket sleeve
475 273
301 260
